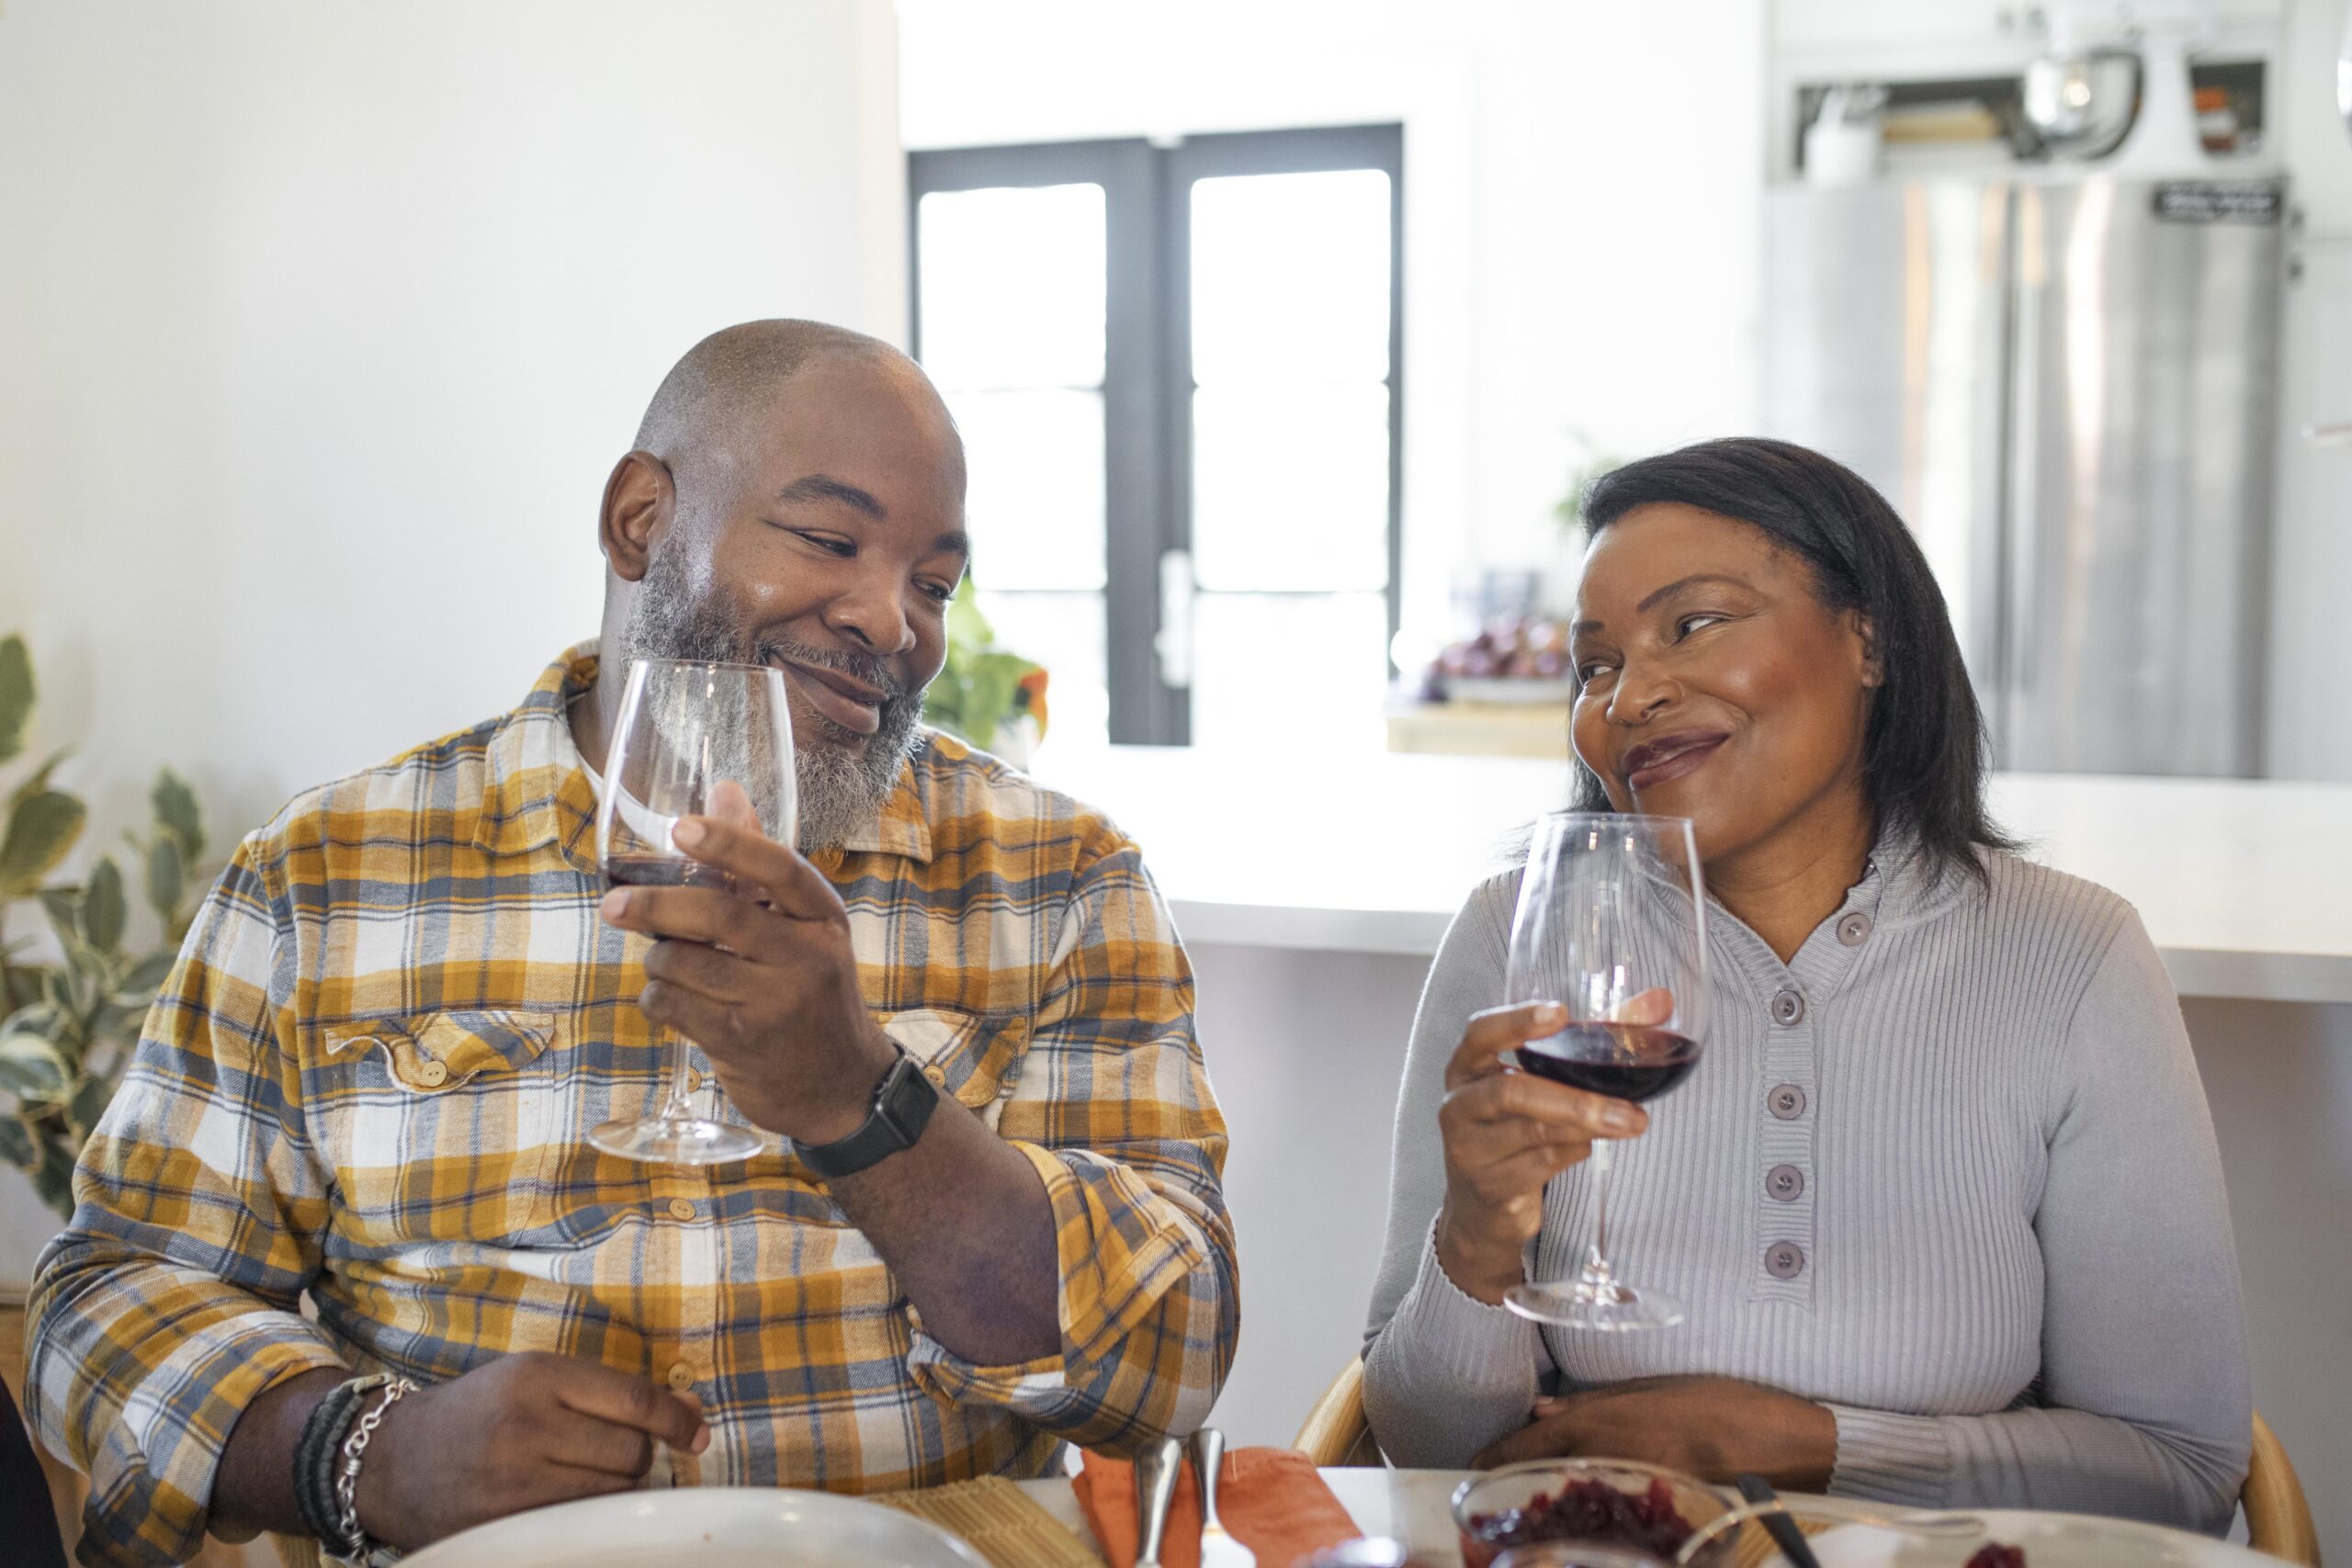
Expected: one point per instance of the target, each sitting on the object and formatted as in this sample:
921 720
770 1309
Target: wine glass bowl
693 739
1610 925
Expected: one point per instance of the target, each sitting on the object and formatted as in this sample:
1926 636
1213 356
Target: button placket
1786 1110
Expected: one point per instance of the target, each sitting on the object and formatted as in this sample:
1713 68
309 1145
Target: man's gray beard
843 785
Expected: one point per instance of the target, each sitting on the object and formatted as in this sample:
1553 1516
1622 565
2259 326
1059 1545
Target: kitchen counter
2243 884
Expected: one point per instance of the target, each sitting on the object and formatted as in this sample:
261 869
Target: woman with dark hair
1943 1199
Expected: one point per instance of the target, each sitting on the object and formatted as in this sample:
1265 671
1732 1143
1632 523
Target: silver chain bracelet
354 1449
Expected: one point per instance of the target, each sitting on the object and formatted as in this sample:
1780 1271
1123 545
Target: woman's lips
847 702
1680 758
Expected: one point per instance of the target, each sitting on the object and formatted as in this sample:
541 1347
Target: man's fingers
730 803
700 914
793 885
706 970
628 1400
1495 1031
585 1443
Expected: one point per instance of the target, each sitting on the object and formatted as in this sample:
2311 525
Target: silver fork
1156 1469
1218 1549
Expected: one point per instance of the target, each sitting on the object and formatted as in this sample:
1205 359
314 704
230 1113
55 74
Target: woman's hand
1712 1427
1506 1134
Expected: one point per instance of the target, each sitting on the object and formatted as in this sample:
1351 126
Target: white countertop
2247 886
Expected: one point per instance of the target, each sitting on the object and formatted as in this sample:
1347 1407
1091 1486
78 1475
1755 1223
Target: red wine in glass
660 871
1623 1061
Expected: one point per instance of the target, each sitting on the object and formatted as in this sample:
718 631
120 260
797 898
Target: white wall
321 326
1580 184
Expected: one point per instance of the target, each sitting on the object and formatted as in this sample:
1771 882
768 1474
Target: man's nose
872 610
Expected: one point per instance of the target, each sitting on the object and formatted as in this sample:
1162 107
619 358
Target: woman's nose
1640 692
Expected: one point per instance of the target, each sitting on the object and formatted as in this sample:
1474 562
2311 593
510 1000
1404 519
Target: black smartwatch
903 1102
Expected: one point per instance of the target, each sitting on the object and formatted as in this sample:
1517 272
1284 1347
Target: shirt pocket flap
440 1051
970 1055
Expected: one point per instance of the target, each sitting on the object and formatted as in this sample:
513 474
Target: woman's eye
1689 624
940 593
1589 671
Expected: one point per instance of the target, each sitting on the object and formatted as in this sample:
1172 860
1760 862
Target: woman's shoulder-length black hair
1924 751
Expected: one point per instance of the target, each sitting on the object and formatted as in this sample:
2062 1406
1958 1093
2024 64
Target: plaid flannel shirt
370 1079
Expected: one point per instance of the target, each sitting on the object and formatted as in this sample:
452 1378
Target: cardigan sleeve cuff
1884 1456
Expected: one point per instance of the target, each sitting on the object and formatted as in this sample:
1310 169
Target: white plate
1513 690
705 1527
2051 1541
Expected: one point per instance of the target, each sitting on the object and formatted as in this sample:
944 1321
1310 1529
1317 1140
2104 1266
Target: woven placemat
1756 1548
1000 1521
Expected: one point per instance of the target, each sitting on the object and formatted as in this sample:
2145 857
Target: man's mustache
869 668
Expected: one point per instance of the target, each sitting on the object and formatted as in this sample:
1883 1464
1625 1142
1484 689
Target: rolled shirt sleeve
1113 1107
167 1305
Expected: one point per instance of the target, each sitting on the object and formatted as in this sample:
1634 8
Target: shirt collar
536 791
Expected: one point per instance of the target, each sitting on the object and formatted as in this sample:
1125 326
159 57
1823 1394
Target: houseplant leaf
41 830
31 1069
17 1145
176 812
89 1103
38 779
166 876
146 978
35 1018
16 695
54 1179
104 910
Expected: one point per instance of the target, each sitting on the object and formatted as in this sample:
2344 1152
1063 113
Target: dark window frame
1147 371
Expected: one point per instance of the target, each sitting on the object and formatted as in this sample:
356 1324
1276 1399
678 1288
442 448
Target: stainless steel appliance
2068 388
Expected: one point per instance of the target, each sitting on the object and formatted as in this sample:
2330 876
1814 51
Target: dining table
1412 1505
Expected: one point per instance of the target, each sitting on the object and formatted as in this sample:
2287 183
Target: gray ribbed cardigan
1982 1143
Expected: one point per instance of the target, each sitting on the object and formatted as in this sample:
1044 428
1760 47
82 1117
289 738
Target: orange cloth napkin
1270 1498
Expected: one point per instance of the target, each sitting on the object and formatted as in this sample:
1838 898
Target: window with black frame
1177 370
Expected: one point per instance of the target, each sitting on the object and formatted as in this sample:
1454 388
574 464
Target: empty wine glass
1611 925
687 728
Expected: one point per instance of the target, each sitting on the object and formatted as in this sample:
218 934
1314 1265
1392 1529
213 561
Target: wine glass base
1603 1307
676 1140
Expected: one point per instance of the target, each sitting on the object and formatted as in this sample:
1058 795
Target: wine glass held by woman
1902 1197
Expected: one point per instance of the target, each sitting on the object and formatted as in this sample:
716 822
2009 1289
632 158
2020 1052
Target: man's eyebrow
823 487
953 541
1677 586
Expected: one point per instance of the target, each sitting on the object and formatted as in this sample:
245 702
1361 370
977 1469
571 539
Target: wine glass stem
679 1106
1596 1262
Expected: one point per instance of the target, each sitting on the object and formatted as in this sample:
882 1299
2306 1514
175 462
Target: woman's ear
1873 673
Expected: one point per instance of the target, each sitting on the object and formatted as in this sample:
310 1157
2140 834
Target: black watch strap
903 1102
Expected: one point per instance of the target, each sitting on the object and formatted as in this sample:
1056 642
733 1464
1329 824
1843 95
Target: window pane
1064 633
1290 487
1290 276
1289 675
1034 500
1013 286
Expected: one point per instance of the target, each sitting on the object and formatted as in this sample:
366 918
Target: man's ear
1874 672
641 500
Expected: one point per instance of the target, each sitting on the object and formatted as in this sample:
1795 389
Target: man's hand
762 977
1712 1427
522 1431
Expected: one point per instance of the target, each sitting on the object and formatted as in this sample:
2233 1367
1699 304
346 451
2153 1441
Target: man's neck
591 723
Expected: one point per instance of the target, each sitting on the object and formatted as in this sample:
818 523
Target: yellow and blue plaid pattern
370 1079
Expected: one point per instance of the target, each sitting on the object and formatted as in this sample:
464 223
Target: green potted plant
986 695
69 1022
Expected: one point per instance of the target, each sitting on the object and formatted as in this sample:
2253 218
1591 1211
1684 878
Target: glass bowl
1487 1508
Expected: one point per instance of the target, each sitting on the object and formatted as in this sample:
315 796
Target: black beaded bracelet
315 1455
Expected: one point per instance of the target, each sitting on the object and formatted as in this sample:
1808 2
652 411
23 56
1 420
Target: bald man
987 1218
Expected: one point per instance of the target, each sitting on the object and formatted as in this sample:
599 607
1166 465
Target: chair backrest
27 1518
1336 1431
2277 1518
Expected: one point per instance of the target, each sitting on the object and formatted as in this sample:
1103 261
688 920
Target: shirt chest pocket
974 1057
440 1126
